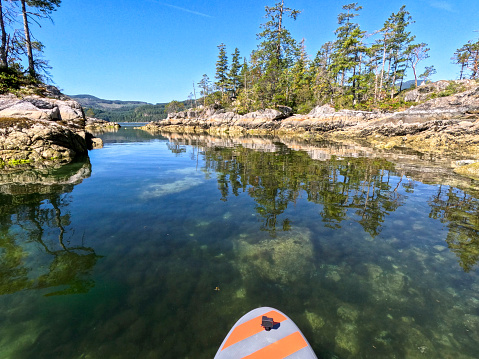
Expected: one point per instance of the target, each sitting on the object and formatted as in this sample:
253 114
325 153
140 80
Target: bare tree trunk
31 65
414 71
194 91
376 77
382 70
393 87
475 67
3 49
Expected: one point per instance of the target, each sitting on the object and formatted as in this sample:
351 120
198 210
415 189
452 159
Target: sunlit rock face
283 259
35 129
96 125
446 120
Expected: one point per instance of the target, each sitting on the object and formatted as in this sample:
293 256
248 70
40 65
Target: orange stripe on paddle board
251 327
282 348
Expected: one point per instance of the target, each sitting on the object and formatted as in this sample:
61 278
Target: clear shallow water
122 257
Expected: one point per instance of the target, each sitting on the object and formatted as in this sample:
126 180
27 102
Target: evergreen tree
205 86
44 8
301 97
174 106
468 57
244 98
234 76
400 41
275 54
428 72
323 77
349 49
461 57
222 69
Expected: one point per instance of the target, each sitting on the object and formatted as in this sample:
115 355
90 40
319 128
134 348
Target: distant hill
411 83
98 103
121 111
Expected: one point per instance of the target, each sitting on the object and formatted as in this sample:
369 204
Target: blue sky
153 50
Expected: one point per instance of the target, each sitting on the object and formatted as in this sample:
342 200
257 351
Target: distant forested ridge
121 111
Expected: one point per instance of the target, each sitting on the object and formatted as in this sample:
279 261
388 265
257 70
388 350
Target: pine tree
45 8
393 47
461 57
349 48
400 41
222 69
234 75
428 72
468 57
205 86
275 54
301 97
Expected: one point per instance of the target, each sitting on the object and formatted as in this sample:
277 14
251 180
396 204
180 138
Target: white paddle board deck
249 339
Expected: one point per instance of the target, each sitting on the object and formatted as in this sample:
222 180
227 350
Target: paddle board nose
265 333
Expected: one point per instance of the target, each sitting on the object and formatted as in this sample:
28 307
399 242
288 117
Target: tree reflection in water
368 187
276 179
459 211
38 214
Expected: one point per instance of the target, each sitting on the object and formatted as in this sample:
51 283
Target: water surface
373 255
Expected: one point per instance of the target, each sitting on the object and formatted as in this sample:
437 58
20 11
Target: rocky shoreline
42 130
448 124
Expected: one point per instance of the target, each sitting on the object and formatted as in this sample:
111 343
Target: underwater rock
333 275
385 285
348 313
314 320
471 322
283 259
439 248
417 344
347 341
189 179
241 293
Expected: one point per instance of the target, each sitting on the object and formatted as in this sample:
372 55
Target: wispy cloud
185 10
443 5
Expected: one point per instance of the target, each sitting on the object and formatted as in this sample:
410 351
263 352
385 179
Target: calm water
119 256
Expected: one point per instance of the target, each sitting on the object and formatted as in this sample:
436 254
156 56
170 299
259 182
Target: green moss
17 162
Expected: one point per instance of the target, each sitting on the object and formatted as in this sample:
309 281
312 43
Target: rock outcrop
40 129
443 123
96 124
